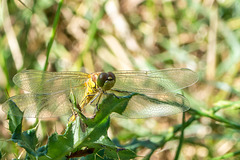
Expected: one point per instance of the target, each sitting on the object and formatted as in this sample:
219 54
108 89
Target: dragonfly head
106 80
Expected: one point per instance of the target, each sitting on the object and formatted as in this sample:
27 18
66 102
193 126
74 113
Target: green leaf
112 151
80 141
15 122
120 153
27 139
106 152
106 149
82 137
74 139
30 141
110 104
135 143
59 145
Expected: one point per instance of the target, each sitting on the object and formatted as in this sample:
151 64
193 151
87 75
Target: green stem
171 135
181 138
3 65
196 114
54 29
226 156
225 105
211 115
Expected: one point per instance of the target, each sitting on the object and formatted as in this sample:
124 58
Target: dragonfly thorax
96 84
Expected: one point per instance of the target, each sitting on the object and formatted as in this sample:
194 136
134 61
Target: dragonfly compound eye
111 76
106 80
102 79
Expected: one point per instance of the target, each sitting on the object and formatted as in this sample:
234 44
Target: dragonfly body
49 91
91 90
95 85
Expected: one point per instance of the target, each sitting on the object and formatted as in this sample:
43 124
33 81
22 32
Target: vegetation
109 35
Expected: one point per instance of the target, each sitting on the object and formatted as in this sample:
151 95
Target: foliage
118 35
76 141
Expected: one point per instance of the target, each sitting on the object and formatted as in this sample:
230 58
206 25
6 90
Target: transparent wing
42 105
154 82
48 82
158 105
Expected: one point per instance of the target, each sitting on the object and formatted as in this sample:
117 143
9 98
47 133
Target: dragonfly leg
95 97
99 96
72 118
120 91
111 94
86 100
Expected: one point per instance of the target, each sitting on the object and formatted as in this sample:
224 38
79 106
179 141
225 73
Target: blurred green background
132 35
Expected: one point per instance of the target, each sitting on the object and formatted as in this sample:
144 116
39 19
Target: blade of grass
54 29
11 37
91 34
3 65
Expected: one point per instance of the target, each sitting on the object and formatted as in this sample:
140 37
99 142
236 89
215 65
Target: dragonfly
48 92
